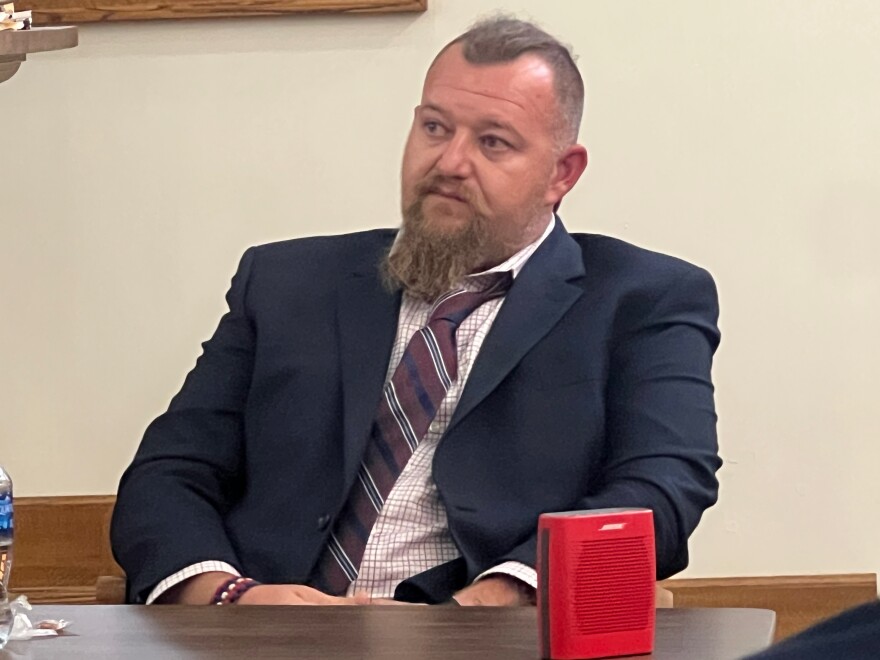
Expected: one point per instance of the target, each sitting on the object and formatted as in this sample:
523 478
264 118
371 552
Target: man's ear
569 166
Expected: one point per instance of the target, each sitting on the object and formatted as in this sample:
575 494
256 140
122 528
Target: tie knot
455 306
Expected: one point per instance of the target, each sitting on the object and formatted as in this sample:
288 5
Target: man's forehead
526 75
524 82
445 98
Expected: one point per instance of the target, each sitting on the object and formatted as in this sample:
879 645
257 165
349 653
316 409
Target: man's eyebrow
429 106
498 124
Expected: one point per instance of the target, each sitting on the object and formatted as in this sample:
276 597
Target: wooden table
133 632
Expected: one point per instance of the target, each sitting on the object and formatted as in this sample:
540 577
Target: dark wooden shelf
61 12
15 45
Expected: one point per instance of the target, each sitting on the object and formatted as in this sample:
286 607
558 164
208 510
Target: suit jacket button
323 521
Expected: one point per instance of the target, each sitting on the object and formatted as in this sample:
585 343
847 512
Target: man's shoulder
618 259
642 286
353 245
319 262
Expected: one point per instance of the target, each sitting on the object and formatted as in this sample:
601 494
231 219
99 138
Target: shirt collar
515 263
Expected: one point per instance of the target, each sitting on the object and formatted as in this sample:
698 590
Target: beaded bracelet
230 591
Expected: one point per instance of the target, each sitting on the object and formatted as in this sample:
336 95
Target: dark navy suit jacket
852 635
591 390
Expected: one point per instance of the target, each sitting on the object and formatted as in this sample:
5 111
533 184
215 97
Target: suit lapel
367 316
539 297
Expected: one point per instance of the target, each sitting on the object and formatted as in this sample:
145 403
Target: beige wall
742 136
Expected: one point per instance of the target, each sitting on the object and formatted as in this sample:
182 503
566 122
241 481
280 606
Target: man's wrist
496 590
230 591
197 590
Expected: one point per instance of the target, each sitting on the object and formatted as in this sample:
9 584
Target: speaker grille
613 586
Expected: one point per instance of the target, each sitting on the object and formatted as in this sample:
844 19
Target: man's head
491 151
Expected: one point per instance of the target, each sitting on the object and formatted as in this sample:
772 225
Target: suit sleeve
173 497
662 450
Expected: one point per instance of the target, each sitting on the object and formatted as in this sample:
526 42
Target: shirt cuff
514 569
187 573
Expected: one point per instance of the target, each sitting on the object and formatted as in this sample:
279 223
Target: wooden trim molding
56 12
62 555
798 600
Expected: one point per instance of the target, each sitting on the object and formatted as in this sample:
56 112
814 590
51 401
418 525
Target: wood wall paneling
799 601
61 547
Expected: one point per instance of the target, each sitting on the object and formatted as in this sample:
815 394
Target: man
354 432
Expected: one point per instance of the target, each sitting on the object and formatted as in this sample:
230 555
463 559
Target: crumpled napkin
24 629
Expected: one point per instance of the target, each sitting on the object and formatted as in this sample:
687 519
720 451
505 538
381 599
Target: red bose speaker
596 583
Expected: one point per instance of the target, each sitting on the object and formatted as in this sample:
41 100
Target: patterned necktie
408 406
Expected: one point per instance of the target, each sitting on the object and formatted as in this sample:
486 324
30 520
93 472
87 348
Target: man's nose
456 159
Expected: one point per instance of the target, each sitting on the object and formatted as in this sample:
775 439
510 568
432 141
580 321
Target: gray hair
503 39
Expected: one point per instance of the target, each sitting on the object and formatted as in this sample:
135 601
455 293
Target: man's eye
433 128
494 143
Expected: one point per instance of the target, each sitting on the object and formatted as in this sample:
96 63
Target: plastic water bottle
5 554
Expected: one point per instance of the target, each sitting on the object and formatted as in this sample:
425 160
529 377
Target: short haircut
503 39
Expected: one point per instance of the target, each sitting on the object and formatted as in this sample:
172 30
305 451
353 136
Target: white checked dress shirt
411 534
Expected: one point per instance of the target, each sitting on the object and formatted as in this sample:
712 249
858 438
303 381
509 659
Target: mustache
443 185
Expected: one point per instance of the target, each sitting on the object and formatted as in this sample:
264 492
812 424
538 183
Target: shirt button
434 427
323 521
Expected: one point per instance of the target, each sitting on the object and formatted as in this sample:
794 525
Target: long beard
426 262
